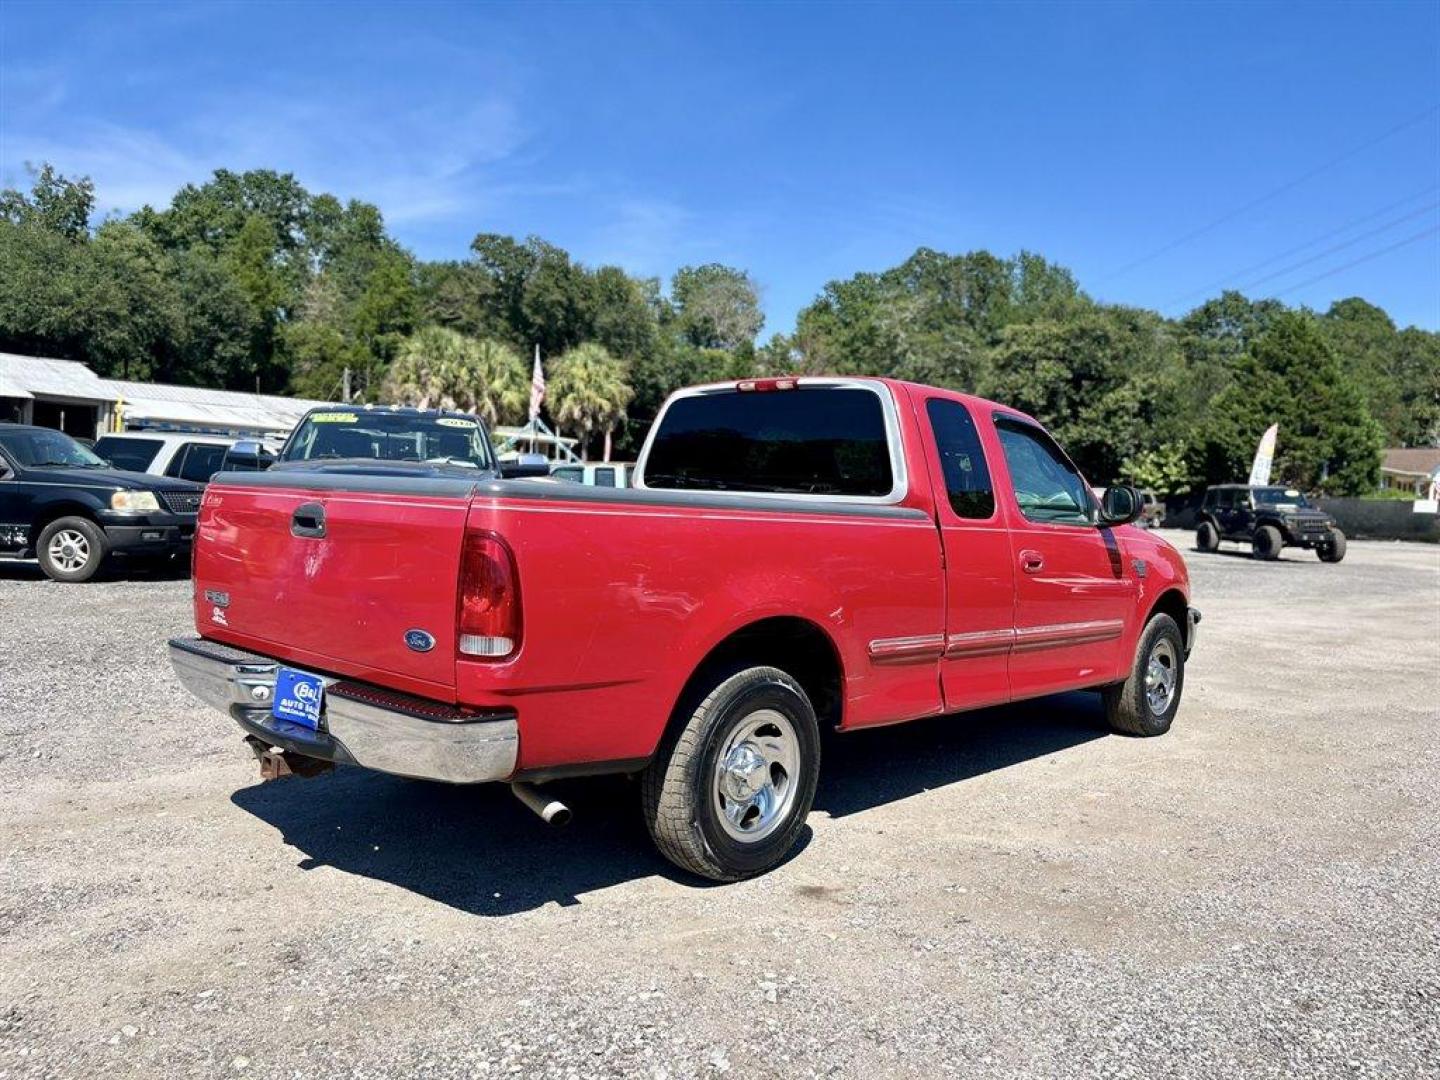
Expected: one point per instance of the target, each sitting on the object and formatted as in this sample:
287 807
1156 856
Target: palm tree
439 368
499 384
589 389
422 373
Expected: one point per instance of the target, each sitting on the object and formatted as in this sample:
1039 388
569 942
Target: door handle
1032 562
308 520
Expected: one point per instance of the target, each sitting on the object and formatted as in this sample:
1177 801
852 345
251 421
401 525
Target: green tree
441 368
1101 381
588 390
1328 440
214 335
130 306
1415 367
717 307
55 204
42 306
316 355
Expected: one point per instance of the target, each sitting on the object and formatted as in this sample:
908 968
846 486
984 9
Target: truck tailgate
335 578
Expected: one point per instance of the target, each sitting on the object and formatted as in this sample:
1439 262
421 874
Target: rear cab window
133 455
824 440
962 459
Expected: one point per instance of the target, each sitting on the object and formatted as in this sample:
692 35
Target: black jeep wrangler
1268 519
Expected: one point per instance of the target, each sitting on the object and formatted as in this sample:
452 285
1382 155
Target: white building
67 395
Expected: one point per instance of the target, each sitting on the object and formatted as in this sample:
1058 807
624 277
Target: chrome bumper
1192 627
362 724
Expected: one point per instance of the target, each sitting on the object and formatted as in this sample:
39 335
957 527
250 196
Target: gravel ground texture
1013 892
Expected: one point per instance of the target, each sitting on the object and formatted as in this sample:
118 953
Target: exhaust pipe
551 811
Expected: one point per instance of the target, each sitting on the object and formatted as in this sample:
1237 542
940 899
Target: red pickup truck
795 553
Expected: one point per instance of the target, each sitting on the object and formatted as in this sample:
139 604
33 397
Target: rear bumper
362 724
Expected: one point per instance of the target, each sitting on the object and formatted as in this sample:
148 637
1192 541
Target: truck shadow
478 850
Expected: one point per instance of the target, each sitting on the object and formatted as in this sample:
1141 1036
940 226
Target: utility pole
345 387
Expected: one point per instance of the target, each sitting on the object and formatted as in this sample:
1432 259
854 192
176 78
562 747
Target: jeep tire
1333 549
1267 543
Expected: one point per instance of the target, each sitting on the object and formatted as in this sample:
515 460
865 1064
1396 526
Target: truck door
979 571
1073 588
14 507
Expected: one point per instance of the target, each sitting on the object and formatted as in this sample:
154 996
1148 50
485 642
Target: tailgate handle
308 520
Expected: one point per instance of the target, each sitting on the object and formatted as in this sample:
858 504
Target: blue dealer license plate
298 697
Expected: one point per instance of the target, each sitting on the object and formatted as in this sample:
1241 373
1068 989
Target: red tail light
488 621
749 385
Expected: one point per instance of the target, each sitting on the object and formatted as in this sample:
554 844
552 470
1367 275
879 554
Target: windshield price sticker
334 418
455 421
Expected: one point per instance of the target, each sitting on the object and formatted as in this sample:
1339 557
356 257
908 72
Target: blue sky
1160 152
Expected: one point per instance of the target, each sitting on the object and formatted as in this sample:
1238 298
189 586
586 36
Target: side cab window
962 459
1048 489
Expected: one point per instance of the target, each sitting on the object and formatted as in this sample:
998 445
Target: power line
1338 247
1362 259
1274 193
1205 290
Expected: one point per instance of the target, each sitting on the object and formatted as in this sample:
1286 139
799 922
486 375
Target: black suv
1267 518
65 506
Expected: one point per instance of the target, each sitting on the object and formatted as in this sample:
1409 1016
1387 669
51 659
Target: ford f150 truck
795 553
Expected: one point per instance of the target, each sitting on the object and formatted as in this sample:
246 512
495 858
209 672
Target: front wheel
1146 702
1267 543
1333 549
732 783
71 549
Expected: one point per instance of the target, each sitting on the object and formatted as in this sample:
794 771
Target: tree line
251 282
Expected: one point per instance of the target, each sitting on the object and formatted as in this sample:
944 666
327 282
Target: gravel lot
1011 892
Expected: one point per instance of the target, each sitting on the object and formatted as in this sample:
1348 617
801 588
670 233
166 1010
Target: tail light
763 385
488 620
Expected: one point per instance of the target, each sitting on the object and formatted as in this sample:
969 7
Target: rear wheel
71 549
1146 702
729 790
1267 543
1333 550
1207 537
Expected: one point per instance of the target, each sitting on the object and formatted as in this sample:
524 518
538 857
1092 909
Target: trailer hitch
276 764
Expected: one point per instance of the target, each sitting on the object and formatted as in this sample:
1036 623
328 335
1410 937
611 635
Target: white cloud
416 165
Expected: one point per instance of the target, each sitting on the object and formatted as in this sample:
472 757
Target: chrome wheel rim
1162 673
69 550
757 776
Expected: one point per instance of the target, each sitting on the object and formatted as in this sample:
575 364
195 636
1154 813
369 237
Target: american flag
537 387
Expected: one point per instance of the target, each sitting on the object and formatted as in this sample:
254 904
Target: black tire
1207 537
1128 706
682 793
79 549
1333 550
1267 543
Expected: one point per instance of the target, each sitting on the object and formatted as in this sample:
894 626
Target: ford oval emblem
419 640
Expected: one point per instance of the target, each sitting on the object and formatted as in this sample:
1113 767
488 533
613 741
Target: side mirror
247 455
1120 506
525 467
